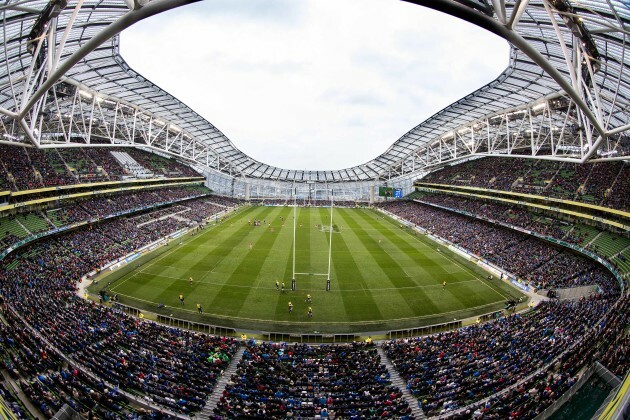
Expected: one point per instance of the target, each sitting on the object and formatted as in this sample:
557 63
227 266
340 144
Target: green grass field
383 277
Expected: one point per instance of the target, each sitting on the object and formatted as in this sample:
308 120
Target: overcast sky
313 84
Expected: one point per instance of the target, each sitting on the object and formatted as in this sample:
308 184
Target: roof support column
470 15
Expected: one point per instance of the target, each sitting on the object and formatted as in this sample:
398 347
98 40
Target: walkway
214 398
400 383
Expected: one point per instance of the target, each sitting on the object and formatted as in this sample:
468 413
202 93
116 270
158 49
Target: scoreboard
390 192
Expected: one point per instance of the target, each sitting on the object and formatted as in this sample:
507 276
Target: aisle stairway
416 411
214 398
131 165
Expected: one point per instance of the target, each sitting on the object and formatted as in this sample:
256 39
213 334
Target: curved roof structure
565 94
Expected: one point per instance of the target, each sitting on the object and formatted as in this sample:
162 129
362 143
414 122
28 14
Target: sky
313 84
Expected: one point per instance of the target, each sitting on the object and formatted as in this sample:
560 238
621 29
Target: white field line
179 308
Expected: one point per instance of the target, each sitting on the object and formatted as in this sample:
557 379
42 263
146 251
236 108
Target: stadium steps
32 222
213 399
50 222
592 239
51 215
567 231
177 216
397 381
10 384
610 244
9 226
623 264
19 223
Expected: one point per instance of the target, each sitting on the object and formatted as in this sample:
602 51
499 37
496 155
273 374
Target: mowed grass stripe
263 300
303 245
459 265
455 297
171 278
282 302
233 241
468 294
419 302
327 306
206 259
413 256
230 299
422 256
203 253
362 292
359 304
382 286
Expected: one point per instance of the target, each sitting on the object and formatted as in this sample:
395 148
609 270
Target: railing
595 369
560 242
309 338
196 326
419 331
542 369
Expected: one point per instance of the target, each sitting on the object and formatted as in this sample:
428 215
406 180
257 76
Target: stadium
476 269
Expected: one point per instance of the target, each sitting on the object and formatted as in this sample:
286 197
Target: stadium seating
501 369
24 168
161 165
33 222
302 381
42 377
142 357
530 397
601 183
18 171
607 244
533 260
452 370
495 369
104 158
14 228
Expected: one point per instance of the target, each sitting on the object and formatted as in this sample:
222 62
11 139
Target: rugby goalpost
293 281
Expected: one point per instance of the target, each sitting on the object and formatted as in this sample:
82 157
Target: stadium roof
584 41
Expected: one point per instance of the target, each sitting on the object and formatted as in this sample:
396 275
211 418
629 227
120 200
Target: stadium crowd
278 380
451 370
527 399
169 366
48 384
484 369
198 206
304 202
601 183
24 168
535 261
541 224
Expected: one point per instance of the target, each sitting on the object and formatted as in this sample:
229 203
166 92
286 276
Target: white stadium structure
564 96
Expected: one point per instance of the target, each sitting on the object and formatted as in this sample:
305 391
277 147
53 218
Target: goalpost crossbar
312 274
330 230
